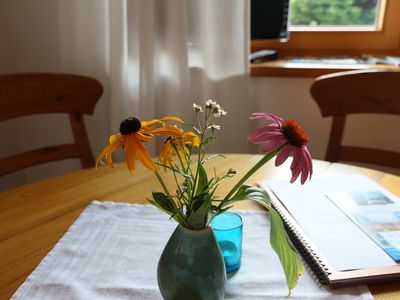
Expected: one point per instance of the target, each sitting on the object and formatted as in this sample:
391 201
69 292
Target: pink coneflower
294 139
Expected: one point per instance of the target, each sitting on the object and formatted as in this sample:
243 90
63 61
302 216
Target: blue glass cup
228 229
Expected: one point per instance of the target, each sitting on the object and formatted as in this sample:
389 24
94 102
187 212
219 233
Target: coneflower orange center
130 125
294 133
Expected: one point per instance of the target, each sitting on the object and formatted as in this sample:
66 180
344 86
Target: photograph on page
376 213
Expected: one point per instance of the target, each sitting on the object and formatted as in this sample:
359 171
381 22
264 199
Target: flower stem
177 214
199 159
267 157
162 184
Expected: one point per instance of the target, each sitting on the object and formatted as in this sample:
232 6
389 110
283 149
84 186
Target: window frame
385 40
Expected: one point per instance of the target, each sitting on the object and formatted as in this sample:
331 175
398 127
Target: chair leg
81 140
335 139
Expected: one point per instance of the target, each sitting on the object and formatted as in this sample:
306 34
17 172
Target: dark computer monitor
269 19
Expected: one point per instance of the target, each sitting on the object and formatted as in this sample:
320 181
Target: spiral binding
320 270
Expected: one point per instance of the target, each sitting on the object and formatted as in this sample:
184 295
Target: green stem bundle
257 166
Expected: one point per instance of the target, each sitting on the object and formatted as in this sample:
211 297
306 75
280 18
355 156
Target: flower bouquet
194 203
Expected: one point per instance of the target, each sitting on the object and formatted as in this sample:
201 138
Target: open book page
377 214
342 242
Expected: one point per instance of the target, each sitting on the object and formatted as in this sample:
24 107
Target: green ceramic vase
191 266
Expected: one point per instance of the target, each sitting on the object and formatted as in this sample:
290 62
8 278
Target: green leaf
288 255
187 185
213 156
202 186
207 140
198 216
167 204
215 211
248 192
164 202
183 174
280 242
187 124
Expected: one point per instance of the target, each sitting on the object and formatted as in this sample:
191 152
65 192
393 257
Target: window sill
282 68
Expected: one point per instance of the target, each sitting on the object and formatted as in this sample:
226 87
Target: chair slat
41 93
82 140
364 91
378 156
28 94
38 156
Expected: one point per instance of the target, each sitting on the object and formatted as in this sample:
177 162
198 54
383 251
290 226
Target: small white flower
214 127
197 108
211 104
216 109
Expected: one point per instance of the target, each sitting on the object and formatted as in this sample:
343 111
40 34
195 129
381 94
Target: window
335 14
331 27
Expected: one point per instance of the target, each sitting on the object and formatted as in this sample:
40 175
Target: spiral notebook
347 228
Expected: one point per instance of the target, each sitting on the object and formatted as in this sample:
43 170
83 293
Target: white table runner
112 251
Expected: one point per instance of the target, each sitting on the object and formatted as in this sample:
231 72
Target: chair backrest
354 92
39 93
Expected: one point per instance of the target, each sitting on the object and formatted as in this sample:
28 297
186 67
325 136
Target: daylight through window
342 14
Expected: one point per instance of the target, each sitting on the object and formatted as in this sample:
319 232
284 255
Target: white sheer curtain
154 58
180 51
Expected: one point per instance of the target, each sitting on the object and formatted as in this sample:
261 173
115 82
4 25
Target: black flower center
130 125
294 133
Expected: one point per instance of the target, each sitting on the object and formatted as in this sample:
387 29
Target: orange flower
182 145
131 137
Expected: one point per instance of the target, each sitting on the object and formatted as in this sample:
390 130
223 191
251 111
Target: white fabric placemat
112 251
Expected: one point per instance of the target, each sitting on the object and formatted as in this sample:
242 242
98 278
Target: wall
290 98
32 39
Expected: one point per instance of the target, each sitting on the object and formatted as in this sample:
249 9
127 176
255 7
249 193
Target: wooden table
35 216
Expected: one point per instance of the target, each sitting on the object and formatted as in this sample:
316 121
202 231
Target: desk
34 217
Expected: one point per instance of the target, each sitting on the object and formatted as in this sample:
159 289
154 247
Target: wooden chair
354 92
39 93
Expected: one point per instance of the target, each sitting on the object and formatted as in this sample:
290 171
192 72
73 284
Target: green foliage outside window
333 12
